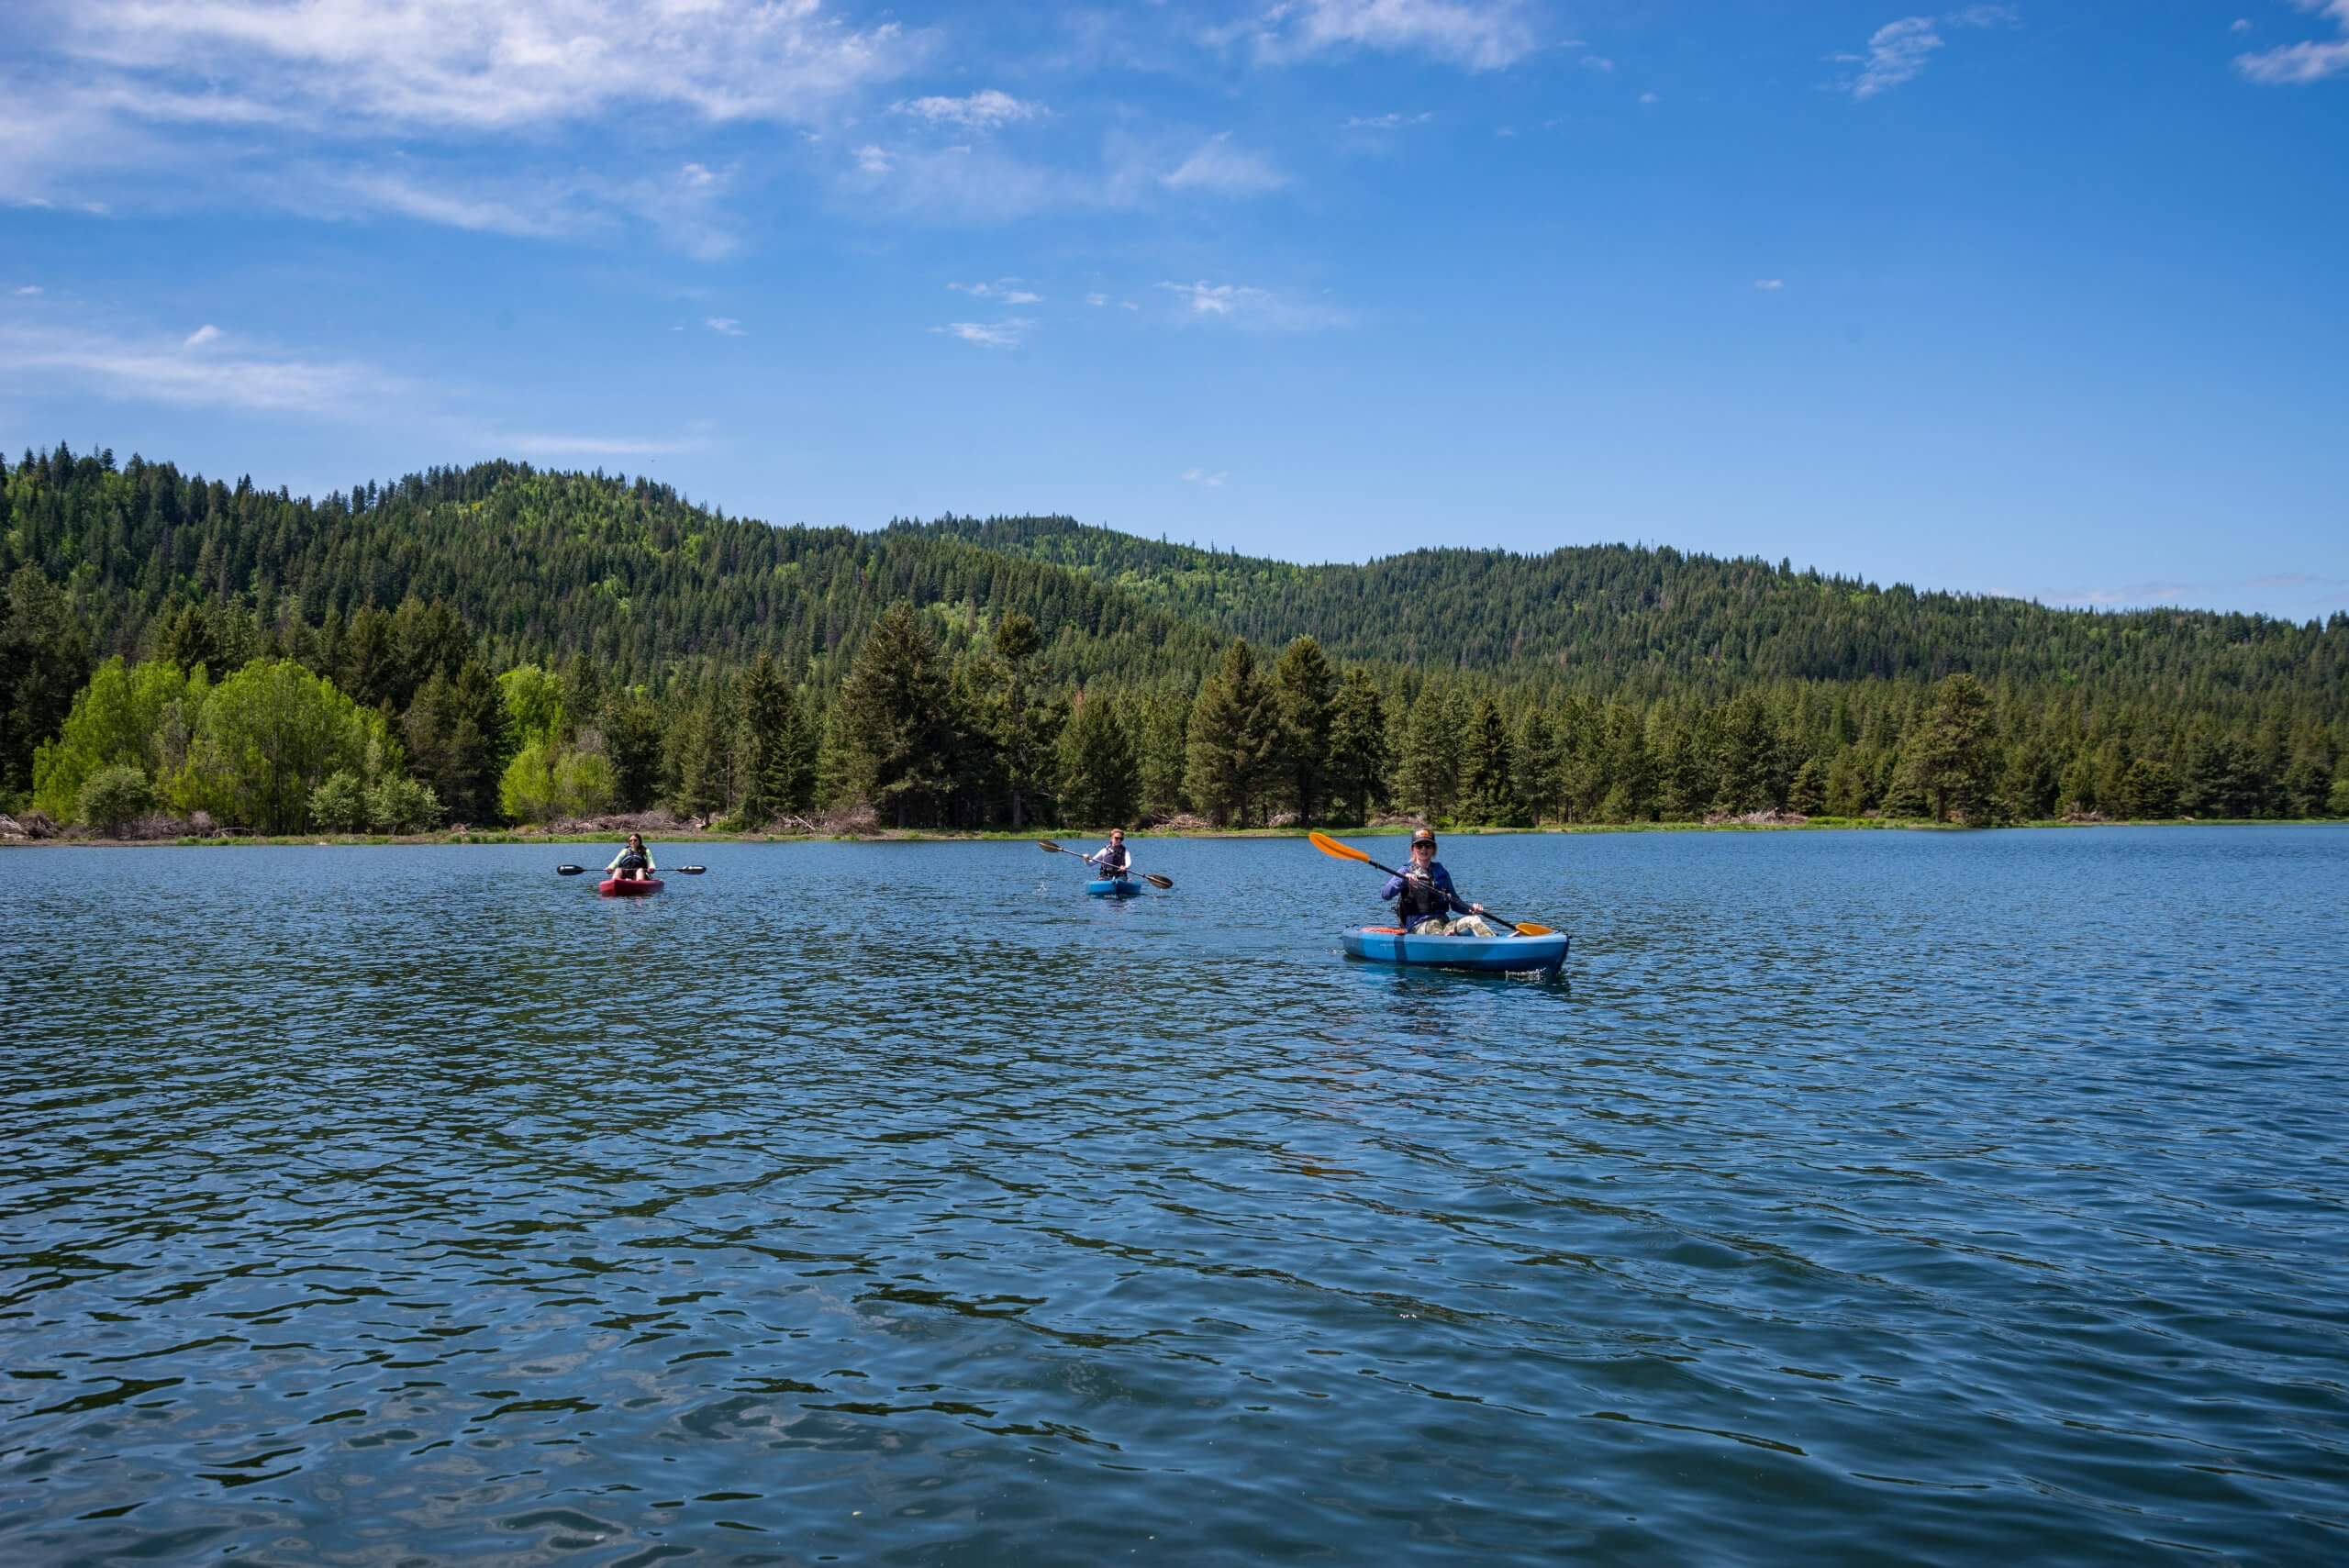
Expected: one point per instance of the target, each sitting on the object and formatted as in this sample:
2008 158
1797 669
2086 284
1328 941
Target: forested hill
543 566
1613 619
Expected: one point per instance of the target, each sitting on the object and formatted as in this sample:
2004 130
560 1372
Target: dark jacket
1417 902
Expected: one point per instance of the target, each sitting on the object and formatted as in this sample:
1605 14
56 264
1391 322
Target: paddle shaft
1165 884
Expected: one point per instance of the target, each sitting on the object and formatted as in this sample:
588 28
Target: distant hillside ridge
1641 621
543 565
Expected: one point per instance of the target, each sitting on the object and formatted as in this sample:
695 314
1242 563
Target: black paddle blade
1048 846
689 871
1163 884
568 870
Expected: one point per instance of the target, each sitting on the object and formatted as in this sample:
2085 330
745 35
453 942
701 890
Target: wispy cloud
1595 62
1096 300
1219 167
1770 285
1201 477
725 326
1246 306
1392 120
981 111
1899 50
28 291
152 369
2299 590
455 64
1005 289
1481 35
1006 334
2296 65
200 336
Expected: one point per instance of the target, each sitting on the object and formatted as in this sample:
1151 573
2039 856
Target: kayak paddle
1163 884
1328 846
680 870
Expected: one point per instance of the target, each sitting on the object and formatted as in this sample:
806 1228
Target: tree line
500 645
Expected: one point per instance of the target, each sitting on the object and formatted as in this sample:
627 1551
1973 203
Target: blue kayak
1115 887
1491 955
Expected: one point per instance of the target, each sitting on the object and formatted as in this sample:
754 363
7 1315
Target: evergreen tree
1235 730
771 747
1490 796
1952 753
1100 776
1304 687
1026 744
895 720
1358 751
44 659
698 744
632 730
1164 747
1427 768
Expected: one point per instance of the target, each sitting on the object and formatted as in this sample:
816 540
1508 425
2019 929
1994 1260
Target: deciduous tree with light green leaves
116 721
268 735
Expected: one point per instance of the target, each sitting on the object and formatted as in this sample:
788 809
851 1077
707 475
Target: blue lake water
1860 1197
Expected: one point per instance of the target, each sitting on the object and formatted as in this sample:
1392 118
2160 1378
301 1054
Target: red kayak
634 887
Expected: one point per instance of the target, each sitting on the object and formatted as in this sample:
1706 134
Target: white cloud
980 111
1482 35
1647 97
1006 290
2297 66
1770 285
28 291
872 160
1096 299
1201 477
200 336
155 369
1391 120
2240 25
1006 334
1899 50
456 65
1245 305
1597 62
1220 169
726 326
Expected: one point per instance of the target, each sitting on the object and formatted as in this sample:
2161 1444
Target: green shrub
402 805
114 796
339 803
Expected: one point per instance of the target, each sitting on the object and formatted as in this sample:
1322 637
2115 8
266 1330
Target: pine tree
1235 729
1951 753
1100 780
895 720
1428 769
1358 751
1304 687
771 744
1489 790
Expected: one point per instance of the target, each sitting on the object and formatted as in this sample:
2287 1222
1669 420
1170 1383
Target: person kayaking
634 862
1424 901
1115 863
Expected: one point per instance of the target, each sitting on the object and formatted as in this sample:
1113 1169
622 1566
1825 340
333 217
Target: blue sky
2023 298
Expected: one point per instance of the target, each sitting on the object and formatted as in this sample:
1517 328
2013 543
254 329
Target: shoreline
944 836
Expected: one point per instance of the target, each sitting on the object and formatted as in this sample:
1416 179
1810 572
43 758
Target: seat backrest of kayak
1383 930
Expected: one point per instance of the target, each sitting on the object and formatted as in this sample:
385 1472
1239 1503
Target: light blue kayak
1115 887
1491 955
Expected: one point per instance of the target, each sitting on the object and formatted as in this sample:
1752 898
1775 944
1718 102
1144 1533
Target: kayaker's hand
1475 908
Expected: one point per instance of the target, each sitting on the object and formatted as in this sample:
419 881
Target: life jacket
1114 860
1421 899
632 859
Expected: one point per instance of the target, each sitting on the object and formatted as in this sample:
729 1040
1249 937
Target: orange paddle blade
1528 928
1328 846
